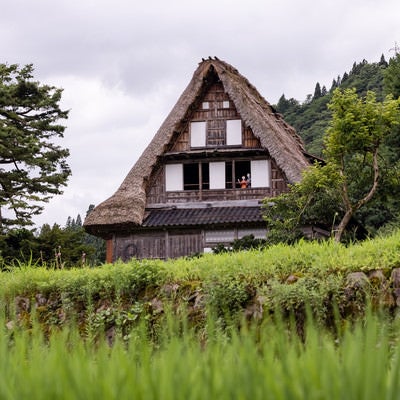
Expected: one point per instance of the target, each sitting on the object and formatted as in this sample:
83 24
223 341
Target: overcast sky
124 63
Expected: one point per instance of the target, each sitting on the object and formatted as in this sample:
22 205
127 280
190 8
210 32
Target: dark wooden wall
157 244
157 195
215 114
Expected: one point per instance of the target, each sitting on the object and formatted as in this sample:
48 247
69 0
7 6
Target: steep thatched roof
126 207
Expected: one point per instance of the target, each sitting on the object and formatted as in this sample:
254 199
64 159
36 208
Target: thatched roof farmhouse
184 195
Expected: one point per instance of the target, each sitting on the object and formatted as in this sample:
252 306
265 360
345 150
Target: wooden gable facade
192 195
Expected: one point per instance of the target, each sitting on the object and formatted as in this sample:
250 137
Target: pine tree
383 63
282 107
33 168
317 91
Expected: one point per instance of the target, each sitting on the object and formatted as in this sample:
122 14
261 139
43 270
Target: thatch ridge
126 207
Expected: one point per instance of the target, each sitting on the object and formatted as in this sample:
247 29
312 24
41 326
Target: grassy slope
250 282
279 261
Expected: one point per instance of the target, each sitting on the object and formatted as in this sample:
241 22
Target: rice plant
265 362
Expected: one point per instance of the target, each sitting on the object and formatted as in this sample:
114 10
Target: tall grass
264 362
277 262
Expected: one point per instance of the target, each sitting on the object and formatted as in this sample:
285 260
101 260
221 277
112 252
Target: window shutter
173 177
198 134
233 132
217 175
260 176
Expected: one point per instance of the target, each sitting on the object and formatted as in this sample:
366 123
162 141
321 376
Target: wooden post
109 250
167 251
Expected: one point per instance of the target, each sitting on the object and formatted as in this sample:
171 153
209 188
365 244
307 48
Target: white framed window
217 175
173 177
233 132
198 134
205 105
260 173
220 236
225 104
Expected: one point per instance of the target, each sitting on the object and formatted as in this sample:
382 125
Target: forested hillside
311 117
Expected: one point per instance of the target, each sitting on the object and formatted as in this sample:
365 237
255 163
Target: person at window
248 180
243 182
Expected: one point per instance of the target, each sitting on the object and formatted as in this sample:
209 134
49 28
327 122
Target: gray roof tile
202 216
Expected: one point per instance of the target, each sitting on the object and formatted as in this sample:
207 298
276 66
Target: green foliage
19 244
97 244
314 202
228 296
353 146
52 247
61 247
392 77
392 142
247 242
355 171
358 124
34 168
251 283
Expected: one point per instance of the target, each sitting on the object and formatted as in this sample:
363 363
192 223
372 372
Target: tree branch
374 187
345 191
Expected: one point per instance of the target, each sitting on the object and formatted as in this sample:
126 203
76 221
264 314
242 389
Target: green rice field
270 362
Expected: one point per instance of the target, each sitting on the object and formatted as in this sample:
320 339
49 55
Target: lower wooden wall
160 245
178 243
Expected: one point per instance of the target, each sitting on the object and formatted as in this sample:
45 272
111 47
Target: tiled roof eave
212 216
